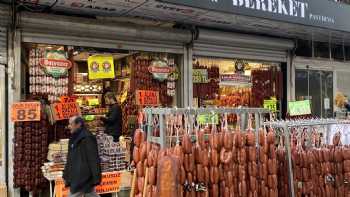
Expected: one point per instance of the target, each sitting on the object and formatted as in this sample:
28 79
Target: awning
318 20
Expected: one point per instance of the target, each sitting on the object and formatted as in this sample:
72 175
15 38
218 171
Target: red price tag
25 111
63 111
68 99
147 98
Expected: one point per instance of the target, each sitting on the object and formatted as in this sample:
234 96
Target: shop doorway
317 86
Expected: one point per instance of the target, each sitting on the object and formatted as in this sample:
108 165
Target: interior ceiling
160 14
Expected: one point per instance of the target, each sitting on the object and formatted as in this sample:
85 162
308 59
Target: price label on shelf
25 111
271 105
298 108
147 98
63 111
200 76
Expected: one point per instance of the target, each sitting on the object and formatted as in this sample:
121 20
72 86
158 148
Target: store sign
110 183
101 67
298 108
55 67
63 111
318 13
234 79
25 111
160 70
200 76
203 119
147 98
271 105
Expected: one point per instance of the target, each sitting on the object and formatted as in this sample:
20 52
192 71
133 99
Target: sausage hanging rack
289 124
161 112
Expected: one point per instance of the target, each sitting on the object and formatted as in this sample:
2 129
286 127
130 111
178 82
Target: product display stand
287 125
161 112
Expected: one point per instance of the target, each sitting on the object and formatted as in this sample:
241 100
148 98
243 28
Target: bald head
75 123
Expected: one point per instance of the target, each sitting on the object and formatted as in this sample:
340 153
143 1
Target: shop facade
234 57
83 38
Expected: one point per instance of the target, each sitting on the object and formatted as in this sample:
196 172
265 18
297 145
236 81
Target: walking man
82 171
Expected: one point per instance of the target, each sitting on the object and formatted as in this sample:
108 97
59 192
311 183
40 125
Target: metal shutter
244 46
4 21
51 29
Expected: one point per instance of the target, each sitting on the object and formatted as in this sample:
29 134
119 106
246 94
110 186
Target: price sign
63 111
270 105
147 98
93 102
200 76
110 183
25 111
68 99
298 108
208 119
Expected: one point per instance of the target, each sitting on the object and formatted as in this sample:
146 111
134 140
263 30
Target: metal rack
287 125
161 112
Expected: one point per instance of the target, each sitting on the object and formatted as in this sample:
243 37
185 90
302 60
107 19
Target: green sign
297 108
89 117
208 119
200 76
271 105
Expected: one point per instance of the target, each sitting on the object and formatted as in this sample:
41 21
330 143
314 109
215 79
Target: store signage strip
318 13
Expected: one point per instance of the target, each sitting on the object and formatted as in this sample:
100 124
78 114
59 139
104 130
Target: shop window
337 52
316 86
236 82
321 49
347 53
304 48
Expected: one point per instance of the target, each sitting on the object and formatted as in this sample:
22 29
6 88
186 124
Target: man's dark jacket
82 171
113 122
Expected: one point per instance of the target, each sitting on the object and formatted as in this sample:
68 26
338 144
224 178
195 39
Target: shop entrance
317 86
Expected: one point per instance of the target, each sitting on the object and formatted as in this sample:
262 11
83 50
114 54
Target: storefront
325 83
240 70
80 64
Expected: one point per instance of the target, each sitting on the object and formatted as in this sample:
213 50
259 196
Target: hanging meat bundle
30 152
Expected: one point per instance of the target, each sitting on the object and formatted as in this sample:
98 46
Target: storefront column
14 94
186 81
2 123
290 78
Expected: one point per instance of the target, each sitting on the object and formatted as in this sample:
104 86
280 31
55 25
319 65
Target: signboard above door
317 13
324 20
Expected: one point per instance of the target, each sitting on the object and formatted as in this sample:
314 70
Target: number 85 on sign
25 111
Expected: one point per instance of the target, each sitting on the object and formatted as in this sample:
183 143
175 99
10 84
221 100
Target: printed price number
270 105
200 76
147 97
68 99
65 110
25 111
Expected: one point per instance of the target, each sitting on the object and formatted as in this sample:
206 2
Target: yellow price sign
101 67
93 102
271 105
